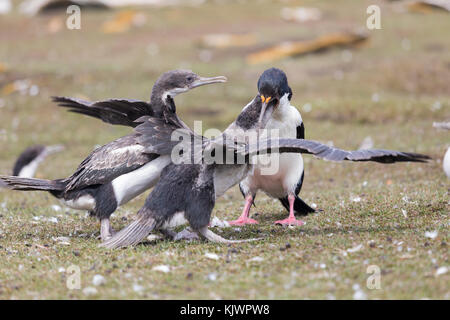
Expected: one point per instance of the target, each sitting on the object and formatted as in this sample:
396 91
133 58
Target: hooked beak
201 81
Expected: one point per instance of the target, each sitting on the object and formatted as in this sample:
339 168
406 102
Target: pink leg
291 221
244 219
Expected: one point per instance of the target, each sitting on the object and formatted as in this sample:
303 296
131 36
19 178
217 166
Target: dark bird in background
29 160
186 192
285 181
117 172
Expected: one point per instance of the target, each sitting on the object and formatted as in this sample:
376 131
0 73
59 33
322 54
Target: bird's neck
283 107
162 103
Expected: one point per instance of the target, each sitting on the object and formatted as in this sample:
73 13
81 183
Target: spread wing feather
156 134
325 152
114 111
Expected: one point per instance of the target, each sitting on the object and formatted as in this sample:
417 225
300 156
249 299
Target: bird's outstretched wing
325 152
157 136
161 135
115 111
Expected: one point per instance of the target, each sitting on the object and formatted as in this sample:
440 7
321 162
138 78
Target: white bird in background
446 161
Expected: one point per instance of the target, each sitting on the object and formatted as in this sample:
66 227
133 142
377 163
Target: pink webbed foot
290 222
244 219
242 222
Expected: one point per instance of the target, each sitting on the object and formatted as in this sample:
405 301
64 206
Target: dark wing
108 162
158 135
301 131
300 135
323 151
115 111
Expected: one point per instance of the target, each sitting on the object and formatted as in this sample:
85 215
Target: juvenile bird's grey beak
261 115
266 112
54 149
201 81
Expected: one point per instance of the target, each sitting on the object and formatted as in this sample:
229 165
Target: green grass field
391 89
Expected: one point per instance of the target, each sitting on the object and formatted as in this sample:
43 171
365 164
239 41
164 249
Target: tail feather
131 235
29 184
300 206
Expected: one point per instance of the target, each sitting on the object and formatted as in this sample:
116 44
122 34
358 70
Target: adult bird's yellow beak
265 101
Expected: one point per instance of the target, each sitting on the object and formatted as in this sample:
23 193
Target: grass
413 91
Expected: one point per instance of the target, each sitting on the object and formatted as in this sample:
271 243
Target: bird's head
272 87
175 82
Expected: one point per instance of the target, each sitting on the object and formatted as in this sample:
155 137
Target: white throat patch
283 108
173 92
284 101
29 170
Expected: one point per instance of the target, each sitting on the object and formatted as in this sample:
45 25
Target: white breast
29 170
177 219
278 174
85 202
132 184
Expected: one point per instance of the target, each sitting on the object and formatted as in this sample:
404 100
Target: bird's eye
189 78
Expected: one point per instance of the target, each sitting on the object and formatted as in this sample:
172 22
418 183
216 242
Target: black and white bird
29 160
280 176
187 191
117 172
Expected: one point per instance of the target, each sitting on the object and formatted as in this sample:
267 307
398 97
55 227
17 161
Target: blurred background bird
446 159
29 160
